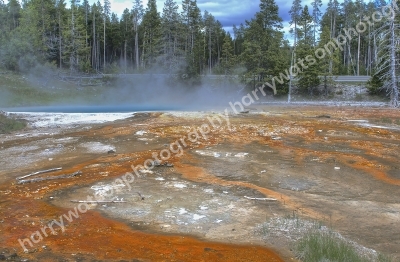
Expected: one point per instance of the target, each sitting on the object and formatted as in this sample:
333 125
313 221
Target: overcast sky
228 12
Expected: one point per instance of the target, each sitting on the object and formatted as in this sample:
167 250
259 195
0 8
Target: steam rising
119 93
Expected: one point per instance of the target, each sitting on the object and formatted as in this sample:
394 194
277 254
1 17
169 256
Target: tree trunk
72 56
125 54
60 40
351 59
137 49
104 45
333 32
358 54
394 94
292 60
94 49
369 60
209 50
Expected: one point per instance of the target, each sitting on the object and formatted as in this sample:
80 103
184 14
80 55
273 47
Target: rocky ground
224 187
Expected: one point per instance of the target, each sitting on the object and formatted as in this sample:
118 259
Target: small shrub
386 120
8 125
384 258
358 97
375 85
325 246
314 242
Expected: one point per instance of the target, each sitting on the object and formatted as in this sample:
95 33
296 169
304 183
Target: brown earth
320 163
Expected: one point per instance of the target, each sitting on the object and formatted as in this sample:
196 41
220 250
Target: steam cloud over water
168 92
122 93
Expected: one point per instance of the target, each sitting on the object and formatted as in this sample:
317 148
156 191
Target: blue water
92 109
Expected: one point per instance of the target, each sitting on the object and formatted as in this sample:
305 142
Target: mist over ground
172 91
46 89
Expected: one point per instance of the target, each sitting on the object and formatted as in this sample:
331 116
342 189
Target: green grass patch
311 241
318 246
384 258
17 90
9 125
386 120
358 97
325 246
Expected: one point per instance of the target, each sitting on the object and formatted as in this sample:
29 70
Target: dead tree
39 172
388 37
40 179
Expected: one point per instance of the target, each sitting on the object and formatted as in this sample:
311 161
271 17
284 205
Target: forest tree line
184 39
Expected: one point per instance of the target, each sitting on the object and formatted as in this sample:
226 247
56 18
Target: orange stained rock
198 174
101 238
96 237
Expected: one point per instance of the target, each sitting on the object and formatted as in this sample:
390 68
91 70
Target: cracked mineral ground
206 199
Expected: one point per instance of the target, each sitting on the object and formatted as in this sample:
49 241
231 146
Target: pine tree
270 15
220 34
3 27
186 19
194 42
210 31
137 16
295 13
228 58
361 9
106 17
316 14
263 55
329 65
171 28
115 41
151 35
308 79
348 12
75 50
388 63
61 22
305 27
330 19
38 28
126 34
333 11
238 39
97 21
14 14
9 20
